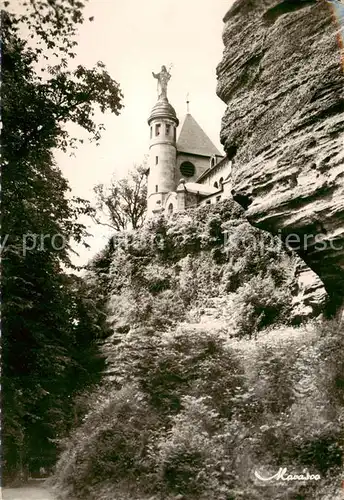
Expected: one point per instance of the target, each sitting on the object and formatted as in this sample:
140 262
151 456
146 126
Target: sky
134 38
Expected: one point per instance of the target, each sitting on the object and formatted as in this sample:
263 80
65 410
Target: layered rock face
282 79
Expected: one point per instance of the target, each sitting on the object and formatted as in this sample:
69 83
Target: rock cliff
282 79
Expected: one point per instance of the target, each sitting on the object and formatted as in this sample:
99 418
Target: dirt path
27 493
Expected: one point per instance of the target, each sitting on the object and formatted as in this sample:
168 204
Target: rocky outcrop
282 79
310 298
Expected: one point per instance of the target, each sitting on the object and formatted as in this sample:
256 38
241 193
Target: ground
26 493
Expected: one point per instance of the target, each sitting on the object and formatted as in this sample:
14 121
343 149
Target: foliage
125 200
205 404
116 439
50 357
211 411
259 303
185 296
170 266
51 325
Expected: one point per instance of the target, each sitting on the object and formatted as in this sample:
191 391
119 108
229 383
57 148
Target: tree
125 200
50 331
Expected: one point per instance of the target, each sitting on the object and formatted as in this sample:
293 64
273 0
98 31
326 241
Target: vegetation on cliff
205 382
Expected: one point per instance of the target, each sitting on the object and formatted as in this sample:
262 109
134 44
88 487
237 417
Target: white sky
134 38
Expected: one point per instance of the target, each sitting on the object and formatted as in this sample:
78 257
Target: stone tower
163 123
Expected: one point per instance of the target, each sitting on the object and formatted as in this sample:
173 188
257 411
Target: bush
198 414
191 456
183 443
112 443
258 304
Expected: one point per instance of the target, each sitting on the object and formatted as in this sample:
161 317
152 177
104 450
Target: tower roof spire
193 140
187 103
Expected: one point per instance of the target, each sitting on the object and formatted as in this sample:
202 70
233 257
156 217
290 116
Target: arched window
170 209
216 185
157 128
187 169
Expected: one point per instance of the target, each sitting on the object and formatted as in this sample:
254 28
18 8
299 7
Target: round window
187 169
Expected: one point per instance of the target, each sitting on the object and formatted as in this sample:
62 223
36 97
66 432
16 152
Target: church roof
195 187
192 139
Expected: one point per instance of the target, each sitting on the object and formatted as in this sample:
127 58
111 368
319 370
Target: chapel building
185 169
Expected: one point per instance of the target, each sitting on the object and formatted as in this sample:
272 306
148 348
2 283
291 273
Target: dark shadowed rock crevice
282 80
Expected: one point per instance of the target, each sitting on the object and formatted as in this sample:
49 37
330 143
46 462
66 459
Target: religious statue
163 78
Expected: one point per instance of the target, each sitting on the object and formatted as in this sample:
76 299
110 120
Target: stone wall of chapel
201 164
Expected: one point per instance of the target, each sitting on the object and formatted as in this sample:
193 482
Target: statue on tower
163 79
